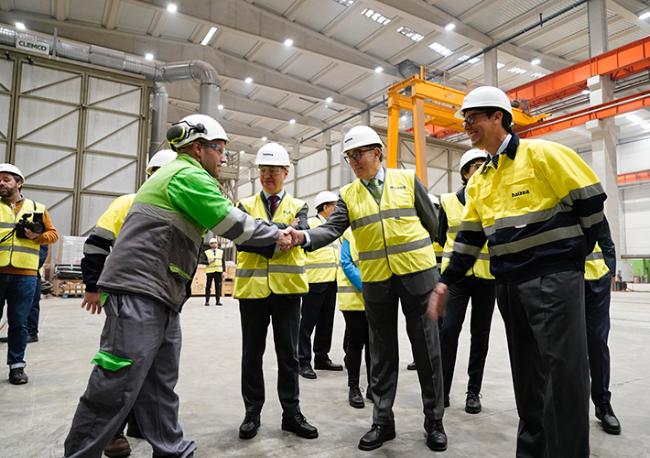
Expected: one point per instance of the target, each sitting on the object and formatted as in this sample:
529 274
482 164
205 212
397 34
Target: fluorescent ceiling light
20 26
375 16
379 69
148 56
329 100
172 8
450 26
645 15
249 80
288 42
538 75
517 70
345 3
208 36
412 34
292 121
535 61
437 47
466 58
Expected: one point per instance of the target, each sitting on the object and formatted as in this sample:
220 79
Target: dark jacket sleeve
335 226
607 245
443 225
425 210
96 250
203 259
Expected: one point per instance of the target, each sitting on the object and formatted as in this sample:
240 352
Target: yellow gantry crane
435 96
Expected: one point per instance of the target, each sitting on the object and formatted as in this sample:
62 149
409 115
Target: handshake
289 238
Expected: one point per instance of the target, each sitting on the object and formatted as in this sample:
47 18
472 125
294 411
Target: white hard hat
192 128
10 168
434 200
325 197
360 136
162 157
213 241
471 155
483 97
273 154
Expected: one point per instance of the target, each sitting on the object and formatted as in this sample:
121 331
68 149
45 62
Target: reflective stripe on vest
438 250
454 210
390 237
18 252
349 297
595 266
321 264
256 276
216 266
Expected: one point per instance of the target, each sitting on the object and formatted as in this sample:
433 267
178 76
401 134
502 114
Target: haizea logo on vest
520 193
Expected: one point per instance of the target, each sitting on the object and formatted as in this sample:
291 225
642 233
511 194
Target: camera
35 225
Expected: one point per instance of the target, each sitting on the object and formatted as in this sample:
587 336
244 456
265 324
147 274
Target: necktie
274 204
376 192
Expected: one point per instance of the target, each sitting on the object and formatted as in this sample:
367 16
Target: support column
392 136
491 73
604 157
295 155
420 140
597 16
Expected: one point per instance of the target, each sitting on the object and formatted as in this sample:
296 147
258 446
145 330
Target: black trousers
547 341
318 307
381 311
482 292
597 297
256 314
216 277
356 326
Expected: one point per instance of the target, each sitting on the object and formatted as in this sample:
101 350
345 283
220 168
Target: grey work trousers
381 311
148 332
547 341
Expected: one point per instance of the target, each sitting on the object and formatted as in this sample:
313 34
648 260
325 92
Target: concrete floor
36 416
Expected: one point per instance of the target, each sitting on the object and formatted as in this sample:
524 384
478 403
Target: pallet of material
68 288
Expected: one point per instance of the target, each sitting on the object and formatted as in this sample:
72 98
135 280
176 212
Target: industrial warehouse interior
89 89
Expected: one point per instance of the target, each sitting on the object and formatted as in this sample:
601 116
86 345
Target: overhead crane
438 95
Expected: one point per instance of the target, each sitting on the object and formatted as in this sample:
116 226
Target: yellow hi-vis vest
390 236
595 266
321 264
256 276
216 266
348 297
18 252
454 210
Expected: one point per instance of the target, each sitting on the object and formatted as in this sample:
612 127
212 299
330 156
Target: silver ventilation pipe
175 71
158 118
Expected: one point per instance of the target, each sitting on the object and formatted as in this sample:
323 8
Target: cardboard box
227 288
199 280
67 250
68 287
230 272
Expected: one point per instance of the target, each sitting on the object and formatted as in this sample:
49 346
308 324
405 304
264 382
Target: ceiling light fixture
249 80
450 26
645 15
329 100
20 26
263 139
288 42
208 36
172 8
148 56
379 69
220 107
535 61
292 121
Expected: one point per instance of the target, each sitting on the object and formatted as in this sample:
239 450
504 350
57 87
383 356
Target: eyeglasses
476 165
471 118
356 155
214 146
271 170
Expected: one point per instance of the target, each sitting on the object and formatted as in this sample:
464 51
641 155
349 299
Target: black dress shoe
412 367
356 398
473 402
32 338
327 365
219 303
369 395
436 437
298 424
447 401
207 304
4 339
307 372
607 418
249 426
376 437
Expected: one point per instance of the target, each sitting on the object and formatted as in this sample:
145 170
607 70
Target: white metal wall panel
312 185
111 95
93 207
50 84
46 166
633 156
313 163
59 205
112 133
636 209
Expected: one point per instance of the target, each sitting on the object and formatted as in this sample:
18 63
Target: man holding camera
24 226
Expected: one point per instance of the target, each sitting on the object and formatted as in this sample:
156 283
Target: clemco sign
34 46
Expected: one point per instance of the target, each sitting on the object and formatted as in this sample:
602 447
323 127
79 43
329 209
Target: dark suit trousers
382 300
318 308
597 296
482 293
256 314
357 339
547 340
216 277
